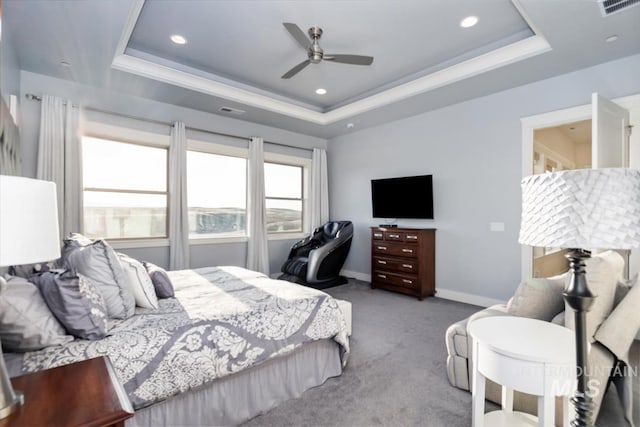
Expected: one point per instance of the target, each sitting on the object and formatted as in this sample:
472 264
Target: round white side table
526 355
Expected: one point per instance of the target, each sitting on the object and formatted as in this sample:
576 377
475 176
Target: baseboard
356 275
440 293
467 298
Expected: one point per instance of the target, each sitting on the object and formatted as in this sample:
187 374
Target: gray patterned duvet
222 320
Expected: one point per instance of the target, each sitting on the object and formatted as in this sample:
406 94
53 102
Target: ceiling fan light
469 21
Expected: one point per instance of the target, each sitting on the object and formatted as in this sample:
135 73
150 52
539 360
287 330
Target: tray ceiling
236 52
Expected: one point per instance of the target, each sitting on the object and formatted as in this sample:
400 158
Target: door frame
564 116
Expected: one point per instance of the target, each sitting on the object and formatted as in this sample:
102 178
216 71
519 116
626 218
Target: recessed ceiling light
321 91
350 125
469 21
178 39
611 38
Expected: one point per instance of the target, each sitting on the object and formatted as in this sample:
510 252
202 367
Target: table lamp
581 210
28 234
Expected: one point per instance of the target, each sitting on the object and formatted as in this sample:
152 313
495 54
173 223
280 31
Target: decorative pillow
75 301
98 261
26 323
538 298
140 282
618 331
603 271
160 279
622 289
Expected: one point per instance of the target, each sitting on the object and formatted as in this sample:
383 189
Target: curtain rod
159 122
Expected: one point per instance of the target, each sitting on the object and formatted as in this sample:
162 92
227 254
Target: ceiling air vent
607 7
229 110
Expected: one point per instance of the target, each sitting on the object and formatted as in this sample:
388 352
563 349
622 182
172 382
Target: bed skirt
237 398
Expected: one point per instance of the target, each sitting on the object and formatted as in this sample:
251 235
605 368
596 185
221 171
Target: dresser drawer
393 236
395 279
394 249
395 264
411 237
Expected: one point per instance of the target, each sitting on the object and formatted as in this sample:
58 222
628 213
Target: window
125 189
216 195
283 196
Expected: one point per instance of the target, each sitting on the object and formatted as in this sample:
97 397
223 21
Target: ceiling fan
315 52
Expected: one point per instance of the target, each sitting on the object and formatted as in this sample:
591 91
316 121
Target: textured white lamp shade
28 221
584 208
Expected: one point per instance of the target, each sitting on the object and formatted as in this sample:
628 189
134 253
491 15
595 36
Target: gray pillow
160 279
98 261
26 323
538 298
75 301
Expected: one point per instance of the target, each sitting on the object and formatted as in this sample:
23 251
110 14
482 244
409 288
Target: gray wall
9 69
473 150
201 255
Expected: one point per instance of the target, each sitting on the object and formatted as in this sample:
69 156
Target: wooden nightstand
86 394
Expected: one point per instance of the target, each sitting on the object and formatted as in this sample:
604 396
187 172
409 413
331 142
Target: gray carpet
396 375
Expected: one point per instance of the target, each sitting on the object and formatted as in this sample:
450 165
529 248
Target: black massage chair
316 260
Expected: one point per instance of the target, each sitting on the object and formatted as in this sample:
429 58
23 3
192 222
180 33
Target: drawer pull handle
382 276
407 281
382 262
409 236
382 248
407 251
377 234
407 265
395 236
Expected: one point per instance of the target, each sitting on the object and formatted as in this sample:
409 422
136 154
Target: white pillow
140 282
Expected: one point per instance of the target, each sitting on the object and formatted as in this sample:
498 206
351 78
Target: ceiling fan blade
295 70
297 34
349 59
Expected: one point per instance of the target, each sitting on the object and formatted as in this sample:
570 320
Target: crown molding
501 57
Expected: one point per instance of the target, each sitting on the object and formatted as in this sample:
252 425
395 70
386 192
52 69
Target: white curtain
257 247
319 203
60 159
178 211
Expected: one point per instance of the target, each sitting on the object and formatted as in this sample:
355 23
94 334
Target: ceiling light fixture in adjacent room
178 39
469 21
611 38
321 91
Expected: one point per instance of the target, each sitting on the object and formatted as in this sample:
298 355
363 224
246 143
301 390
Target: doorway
562 147
603 153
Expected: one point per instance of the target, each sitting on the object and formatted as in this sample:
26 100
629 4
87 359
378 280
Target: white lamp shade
582 209
28 221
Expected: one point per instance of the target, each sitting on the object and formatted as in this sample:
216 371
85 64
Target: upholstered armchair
612 325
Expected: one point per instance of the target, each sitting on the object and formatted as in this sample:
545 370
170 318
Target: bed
232 344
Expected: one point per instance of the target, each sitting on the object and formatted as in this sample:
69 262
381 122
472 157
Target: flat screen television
403 197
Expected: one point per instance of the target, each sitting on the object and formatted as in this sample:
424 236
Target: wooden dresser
403 260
